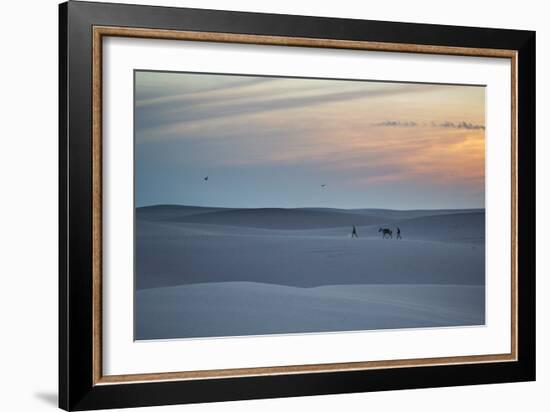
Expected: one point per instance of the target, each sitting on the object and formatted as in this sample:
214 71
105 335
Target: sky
275 141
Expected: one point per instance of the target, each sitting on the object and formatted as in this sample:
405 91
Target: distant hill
171 212
285 219
465 227
280 218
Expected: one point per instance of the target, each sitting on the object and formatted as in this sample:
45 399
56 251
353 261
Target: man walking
398 233
354 232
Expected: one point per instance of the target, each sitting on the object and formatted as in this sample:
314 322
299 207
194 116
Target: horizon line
305 207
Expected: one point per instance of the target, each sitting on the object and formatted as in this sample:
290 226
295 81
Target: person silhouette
354 232
398 233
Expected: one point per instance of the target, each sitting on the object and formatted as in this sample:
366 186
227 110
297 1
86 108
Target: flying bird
206 178
323 185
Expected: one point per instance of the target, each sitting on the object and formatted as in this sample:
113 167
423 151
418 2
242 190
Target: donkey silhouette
385 232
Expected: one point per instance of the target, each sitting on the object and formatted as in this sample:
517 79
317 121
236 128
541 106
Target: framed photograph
257 205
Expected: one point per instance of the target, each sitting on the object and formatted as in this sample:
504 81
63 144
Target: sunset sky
273 142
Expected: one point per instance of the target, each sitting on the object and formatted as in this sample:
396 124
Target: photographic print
281 205
264 205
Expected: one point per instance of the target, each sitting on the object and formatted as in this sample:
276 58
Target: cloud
146 95
223 97
461 125
446 124
396 123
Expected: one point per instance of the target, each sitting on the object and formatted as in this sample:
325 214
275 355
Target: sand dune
255 308
448 227
172 212
288 219
190 257
291 219
441 249
291 270
390 214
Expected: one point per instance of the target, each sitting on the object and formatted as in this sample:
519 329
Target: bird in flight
206 178
323 185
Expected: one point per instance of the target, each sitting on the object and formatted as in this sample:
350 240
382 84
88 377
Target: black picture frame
77 390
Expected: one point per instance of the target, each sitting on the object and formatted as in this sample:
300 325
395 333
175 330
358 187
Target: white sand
217 272
246 308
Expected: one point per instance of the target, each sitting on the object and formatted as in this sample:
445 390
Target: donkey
385 232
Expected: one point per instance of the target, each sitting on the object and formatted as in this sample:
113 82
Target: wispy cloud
460 125
152 96
165 116
445 124
396 123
